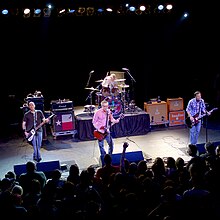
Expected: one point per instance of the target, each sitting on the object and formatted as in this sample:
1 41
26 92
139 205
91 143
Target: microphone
126 69
92 71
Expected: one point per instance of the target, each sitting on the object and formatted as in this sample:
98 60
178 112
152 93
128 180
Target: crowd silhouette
167 188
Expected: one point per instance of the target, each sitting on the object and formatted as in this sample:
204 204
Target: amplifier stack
64 119
176 111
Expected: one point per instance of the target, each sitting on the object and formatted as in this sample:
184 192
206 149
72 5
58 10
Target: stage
134 123
82 148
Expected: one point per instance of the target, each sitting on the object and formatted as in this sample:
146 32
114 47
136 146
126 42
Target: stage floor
160 141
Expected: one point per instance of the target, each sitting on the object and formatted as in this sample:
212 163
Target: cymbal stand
90 98
123 100
91 109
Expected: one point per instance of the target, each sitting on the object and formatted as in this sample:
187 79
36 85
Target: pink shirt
99 120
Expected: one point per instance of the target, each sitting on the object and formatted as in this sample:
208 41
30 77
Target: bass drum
115 105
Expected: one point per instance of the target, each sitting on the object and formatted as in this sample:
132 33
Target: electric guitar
32 132
190 123
99 135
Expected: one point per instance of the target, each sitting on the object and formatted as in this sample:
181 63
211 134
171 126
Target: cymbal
93 89
120 80
101 80
123 86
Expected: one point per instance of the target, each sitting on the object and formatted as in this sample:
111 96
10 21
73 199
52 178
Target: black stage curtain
131 125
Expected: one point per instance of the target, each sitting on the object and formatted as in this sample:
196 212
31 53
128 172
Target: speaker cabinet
176 118
175 104
63 121
134 156
157 112
46 167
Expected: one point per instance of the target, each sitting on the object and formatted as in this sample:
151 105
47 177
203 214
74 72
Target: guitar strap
35 119
106 123
200 108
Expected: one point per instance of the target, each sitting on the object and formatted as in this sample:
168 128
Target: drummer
108 84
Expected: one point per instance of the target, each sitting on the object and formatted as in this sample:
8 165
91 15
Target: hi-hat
123 86
93 89
101 80
120 80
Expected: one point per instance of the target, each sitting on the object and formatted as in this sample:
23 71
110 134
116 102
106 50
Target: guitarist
31 119
195 109
101 120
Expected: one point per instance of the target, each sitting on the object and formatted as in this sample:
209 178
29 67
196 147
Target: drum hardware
119 80
123 86
92 89
90 108
132 106
101 80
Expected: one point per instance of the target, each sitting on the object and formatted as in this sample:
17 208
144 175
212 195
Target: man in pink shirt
102 120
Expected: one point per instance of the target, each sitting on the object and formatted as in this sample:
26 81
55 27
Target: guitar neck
42 123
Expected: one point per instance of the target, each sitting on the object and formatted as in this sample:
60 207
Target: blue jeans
37 142
109 140
194 132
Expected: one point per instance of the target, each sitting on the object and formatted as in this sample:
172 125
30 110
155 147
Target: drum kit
116 96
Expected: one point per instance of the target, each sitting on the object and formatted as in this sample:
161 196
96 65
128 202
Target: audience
166 189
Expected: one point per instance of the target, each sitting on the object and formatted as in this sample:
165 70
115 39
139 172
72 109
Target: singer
102 121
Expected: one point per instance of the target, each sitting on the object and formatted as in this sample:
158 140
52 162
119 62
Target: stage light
47 12
5 12
142 8
61 12
90 11
71 11
160 7
109 9
27 13
37 12
169 7
81 11
132 8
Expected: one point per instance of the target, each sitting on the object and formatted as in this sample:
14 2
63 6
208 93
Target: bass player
195 109
101 121
33 132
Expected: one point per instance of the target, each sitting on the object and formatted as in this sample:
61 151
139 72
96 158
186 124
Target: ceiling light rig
138 9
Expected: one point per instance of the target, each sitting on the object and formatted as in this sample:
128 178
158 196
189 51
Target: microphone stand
87 84
132 81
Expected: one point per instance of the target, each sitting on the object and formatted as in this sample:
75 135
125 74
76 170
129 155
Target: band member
102 120
33 131
195 109
109 84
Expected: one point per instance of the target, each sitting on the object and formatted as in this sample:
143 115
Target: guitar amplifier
64 121
175 104
58 105
38 101
157 112
177 118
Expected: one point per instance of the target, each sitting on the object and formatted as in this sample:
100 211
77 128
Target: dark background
167 56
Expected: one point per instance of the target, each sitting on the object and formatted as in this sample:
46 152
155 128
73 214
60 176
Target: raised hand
125 145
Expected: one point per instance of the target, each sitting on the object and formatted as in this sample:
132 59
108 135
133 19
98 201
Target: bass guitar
32 132
196 118
99 135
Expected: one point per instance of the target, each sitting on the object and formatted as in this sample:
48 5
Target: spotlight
27 13
47 12
37 12
5 12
